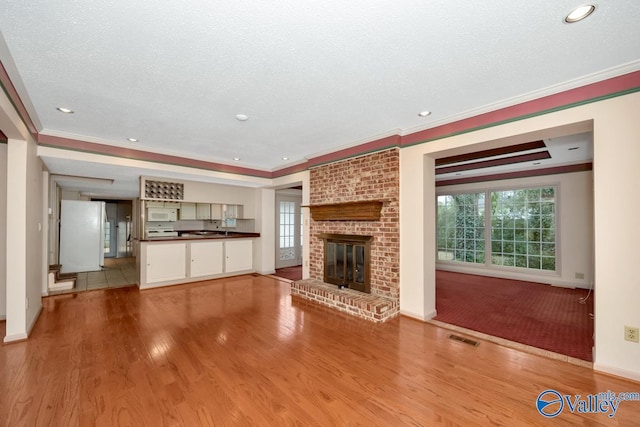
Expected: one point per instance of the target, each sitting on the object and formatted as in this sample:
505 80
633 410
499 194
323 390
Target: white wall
3 231
574 230
617 234
616 207
264 257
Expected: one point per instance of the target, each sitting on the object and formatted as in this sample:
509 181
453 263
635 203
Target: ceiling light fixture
242 117
132 139
579 13
424 113
285 158
236 158
64 110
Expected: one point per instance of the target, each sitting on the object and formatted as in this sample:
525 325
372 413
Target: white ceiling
313 76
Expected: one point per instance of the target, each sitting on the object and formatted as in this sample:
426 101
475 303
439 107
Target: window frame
488 230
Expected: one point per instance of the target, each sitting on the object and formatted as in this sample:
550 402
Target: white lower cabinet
206 258
166 262
238 255
163 264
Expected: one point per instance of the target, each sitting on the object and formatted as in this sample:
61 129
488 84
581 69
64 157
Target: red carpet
538 315
291 273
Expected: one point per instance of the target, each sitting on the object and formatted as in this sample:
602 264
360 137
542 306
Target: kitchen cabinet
206 258
203 211
233 211
187 211
238 255
165 262
216 211
161 204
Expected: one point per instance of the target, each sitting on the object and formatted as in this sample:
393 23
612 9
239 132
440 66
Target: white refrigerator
81 236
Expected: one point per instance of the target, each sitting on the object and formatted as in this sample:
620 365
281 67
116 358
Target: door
166 262
206 258
238 255
289 231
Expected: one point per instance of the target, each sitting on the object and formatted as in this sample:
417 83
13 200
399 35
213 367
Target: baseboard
34 320
266 272
15 337
632 375
422 318
3 317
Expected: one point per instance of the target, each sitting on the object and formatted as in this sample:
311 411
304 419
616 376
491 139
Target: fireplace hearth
347 261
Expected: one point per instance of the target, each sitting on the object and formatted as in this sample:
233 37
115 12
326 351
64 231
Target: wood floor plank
240 351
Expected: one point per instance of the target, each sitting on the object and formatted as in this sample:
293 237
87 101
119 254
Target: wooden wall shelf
350 211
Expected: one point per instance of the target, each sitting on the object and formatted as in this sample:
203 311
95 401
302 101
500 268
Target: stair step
63 285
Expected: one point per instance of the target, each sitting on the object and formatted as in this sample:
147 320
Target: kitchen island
193 256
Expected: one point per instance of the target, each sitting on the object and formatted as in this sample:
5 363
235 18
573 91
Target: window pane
523 228
460 227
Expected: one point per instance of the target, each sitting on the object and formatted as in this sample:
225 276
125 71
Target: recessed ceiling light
579 13
285 158
236 158
424 113
132 139
64 110
242 117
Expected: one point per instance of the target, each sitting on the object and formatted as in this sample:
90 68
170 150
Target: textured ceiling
313 76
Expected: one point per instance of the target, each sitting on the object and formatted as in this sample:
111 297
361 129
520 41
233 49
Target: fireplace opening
347 261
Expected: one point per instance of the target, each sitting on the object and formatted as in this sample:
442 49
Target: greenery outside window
520 228
461 228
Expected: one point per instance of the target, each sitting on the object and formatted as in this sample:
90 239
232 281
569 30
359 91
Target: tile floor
116 273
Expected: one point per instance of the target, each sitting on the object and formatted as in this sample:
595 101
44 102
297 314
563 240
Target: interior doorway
289 228
506 260
117 230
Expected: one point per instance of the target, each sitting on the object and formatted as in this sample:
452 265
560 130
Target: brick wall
371 177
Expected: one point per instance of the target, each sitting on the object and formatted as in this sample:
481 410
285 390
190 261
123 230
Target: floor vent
464 340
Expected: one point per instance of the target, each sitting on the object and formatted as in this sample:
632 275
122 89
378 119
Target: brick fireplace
370 178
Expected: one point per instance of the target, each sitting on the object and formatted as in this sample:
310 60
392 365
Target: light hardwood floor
240 351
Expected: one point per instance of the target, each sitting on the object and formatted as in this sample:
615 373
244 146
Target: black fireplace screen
346 261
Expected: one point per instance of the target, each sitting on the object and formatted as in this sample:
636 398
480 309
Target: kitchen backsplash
242 225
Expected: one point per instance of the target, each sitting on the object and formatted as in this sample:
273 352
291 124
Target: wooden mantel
349 211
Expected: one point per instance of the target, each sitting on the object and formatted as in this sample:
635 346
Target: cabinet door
166 262
238 255
216 211
188 211
203 211
230 211
206 258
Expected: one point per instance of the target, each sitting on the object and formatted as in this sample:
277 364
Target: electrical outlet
631 334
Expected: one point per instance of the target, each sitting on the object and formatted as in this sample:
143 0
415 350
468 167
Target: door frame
294 196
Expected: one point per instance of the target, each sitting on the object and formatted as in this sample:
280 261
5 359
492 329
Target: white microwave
162 214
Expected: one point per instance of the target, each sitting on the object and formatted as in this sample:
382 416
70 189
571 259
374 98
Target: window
521 227
461 227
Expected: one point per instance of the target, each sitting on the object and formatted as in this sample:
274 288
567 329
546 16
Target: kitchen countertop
189 235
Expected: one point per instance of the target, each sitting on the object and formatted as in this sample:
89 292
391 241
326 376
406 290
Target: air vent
464 340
